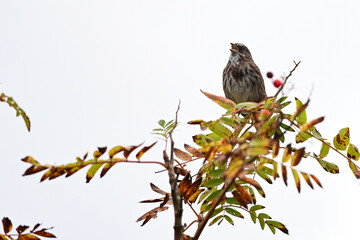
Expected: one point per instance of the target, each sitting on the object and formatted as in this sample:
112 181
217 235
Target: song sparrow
242 80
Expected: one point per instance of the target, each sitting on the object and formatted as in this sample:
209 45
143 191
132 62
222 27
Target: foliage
23 232
19 111
246 144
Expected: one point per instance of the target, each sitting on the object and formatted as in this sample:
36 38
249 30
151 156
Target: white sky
102 73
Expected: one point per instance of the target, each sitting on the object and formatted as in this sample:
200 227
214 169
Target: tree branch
175 193
286 78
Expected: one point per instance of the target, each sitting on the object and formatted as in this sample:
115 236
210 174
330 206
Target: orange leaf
244 193
195 152
144 150
223 102
182 155
192 189
284 173
316 180
299 153
307 179
185 184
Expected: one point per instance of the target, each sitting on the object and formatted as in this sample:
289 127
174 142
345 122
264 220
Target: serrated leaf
234 212
353 152
342 139
324 150
214 182
92 170
227 218
296 178
223 102
182 155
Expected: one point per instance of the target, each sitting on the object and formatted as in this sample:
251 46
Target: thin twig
286 78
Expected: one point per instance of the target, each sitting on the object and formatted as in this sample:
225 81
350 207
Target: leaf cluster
23 232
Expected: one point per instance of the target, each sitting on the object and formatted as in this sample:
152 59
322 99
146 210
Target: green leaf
264 176
162 123
342 139
253 216
219 129
213 195
215 220
302 137
202 139
324 150
234 212
301 118
280 100
286 127
278 225
216 211
229 219
296 178
328 166
92 170
232 200
353 152
206 193
256 207
216 173
214 182
228 121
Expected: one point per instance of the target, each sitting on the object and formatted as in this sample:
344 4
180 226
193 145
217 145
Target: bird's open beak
234 48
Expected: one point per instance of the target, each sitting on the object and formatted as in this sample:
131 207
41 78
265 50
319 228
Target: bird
242 79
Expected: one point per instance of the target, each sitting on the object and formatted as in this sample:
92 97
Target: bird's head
239 53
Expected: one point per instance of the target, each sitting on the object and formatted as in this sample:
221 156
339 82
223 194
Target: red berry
269 74
277 83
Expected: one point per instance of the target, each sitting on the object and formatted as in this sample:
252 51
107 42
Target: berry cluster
277 82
